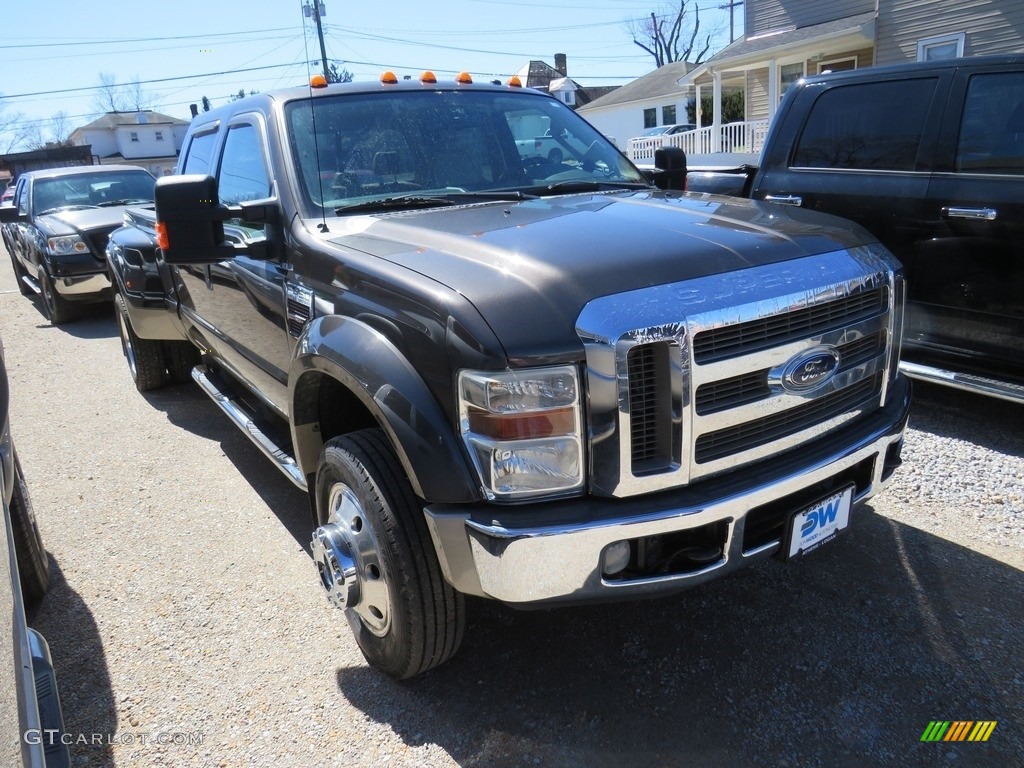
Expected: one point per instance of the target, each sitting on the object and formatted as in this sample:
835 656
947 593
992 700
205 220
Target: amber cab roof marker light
514 82
387 77
318 81
464 78
428 77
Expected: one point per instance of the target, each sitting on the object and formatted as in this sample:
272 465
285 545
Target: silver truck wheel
145 357
377 561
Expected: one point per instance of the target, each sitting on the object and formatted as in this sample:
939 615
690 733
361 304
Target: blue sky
64 45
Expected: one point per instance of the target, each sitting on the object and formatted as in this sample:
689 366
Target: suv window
243 175
992 131
876 126
198 159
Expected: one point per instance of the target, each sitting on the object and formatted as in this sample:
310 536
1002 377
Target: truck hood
73 221
530 267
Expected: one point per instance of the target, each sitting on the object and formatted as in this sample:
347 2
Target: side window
199 153
242 174
22 198
875 126
992 130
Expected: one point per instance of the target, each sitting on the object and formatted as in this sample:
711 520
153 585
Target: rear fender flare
369 366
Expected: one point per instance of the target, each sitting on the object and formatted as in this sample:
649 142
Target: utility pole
731 6
317 10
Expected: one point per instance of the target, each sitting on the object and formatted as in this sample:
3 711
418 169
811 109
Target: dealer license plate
819 523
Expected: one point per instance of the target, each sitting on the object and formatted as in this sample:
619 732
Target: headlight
522 429
65 245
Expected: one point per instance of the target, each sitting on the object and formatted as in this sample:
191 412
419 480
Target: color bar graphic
959 730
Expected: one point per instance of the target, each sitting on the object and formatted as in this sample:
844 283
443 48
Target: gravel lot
186 609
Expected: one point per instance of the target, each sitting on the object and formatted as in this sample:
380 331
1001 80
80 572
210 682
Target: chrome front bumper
551 553
82 285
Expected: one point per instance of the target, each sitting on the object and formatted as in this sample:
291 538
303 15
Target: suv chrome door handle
984 214
784 199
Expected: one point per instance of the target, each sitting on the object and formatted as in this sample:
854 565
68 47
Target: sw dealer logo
820 518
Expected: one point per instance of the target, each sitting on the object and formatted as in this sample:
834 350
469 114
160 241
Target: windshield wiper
451 197
587 185
393 203
125 201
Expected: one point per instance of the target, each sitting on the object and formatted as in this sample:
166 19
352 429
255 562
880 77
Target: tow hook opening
667 554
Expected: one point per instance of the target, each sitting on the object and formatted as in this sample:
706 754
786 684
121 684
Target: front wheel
145 356
58 309
377 561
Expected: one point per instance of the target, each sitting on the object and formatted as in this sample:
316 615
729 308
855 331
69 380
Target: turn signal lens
162 241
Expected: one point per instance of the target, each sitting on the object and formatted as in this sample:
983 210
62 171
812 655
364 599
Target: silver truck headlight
523 430
65 245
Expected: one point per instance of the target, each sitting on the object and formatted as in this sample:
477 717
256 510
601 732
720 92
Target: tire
181 357
58 310
145 356
407 618
33 562
19 274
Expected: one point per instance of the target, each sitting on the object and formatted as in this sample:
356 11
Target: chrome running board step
33 284
243 419
969 382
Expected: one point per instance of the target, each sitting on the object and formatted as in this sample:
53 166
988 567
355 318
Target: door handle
980 214
785 199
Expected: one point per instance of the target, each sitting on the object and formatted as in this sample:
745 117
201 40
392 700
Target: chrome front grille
692 379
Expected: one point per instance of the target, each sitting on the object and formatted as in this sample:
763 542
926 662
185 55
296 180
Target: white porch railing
735 137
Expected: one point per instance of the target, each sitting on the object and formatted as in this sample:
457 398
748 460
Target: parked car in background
929 158
30 716
668 130
7 198
56 232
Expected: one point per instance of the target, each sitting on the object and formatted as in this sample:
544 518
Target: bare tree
108 96
13 129
60 128
135 97
672 35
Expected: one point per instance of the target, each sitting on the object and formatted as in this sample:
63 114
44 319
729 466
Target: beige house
785 40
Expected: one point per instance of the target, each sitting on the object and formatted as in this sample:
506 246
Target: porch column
698 114
716 120
773 88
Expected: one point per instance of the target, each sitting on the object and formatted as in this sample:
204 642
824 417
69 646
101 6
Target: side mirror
670 163
8 214
190 221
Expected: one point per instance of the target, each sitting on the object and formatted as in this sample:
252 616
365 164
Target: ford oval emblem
810 369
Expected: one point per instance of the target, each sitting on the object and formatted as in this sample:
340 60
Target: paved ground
185 608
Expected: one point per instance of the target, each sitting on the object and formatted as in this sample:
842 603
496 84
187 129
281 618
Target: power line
107 42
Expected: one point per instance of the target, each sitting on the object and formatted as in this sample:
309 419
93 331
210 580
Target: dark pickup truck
533 381
930 159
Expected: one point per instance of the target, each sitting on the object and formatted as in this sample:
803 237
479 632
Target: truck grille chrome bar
691 379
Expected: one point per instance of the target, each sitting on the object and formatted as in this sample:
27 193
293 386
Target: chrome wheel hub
348 557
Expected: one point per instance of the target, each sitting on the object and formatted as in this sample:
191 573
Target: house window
789 74
837 65
133 135
651 117
668 115
159 135
941 47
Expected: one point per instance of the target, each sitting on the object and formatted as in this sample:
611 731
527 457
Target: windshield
97 189
423 143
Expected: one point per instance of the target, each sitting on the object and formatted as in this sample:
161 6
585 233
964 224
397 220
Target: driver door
238 305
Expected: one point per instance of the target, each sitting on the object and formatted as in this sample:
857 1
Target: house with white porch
145 138
785 40
647 102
